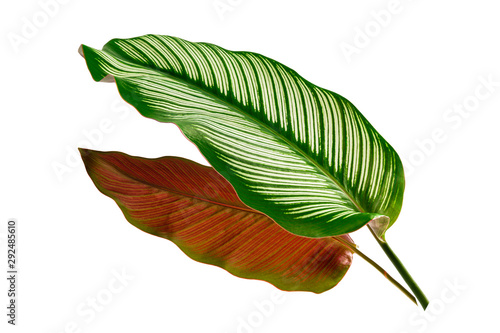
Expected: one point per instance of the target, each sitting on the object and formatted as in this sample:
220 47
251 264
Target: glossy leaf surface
197 209
302 155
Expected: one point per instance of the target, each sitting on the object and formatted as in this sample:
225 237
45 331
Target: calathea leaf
303 155
197 209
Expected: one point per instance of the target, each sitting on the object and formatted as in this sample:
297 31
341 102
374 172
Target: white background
405 76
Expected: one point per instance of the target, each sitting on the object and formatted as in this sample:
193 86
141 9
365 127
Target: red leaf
197 209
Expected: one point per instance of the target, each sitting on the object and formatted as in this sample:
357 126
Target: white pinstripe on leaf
303 155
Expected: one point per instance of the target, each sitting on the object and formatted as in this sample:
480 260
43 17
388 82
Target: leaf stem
354 249
424 302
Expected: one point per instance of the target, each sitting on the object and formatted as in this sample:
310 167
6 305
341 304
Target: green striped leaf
197 209
303 155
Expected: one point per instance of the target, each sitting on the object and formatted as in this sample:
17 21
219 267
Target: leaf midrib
180 193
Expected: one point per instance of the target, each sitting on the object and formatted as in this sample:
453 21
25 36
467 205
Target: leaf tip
91 57
80 51
87 155
84 151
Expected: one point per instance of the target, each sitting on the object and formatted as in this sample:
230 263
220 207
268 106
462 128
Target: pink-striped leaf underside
196 208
